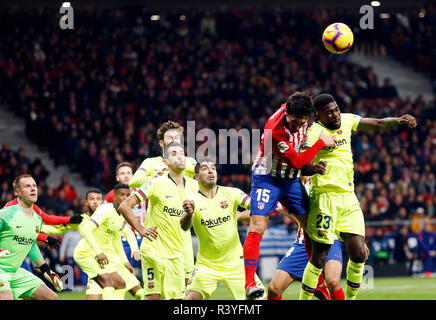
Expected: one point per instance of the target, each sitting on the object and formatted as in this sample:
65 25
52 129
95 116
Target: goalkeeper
19 228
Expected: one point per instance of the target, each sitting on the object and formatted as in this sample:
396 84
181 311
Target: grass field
400 288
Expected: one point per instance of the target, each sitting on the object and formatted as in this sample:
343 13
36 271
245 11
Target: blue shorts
127 250
267 190
295 260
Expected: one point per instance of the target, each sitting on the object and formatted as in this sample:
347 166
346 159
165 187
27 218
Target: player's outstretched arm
125 209
186 220
385 124
131 240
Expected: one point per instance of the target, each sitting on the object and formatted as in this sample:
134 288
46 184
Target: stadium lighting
182 17
385 15
66 4
155 17
375 3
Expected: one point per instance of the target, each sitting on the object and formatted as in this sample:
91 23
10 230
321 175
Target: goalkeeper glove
76 219
52 277
4 252
52 242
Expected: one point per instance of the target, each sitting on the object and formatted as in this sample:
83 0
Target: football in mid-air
337 38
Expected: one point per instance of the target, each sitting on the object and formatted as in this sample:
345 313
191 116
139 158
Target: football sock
337 295
321 287
309 282
139 294
354 277
108 293
119 294
251 256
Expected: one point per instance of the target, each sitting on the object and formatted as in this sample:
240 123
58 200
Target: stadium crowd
95 97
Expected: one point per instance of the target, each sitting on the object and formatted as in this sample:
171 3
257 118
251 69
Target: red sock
321 287
337 295
251 256
271 298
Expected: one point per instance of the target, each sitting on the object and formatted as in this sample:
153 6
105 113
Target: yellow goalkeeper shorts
334 213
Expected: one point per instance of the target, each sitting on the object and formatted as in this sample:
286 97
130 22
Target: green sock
354 277
309 281
139 294
119 294
108 293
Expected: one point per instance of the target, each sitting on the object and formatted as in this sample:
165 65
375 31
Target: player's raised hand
102 260
149 233
409 120
136 255
188 206
328 139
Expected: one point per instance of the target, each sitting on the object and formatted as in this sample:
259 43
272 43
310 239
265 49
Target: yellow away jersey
165 208
216 226
339 175
150 166
108 222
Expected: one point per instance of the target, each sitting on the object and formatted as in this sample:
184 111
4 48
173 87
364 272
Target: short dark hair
197 166
94 190
121 186
299 104
169 125
322 100
172 144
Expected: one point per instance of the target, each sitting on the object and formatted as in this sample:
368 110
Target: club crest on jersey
282 146
2 284
37 229
224 204
151 285
321 233
260 206
339 131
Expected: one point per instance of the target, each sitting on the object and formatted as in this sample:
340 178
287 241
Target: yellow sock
108 293
119 294
354 277
309 281
139 294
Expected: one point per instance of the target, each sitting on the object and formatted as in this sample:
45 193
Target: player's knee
359 256
104 280
258 224
274 290
119 284
333 283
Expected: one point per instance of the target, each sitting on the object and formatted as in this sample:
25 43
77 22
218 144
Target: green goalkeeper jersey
18 234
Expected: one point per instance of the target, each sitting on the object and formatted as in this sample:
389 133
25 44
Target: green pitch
400 288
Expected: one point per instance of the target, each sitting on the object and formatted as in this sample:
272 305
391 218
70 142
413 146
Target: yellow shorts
87 262
333 213
206 279
164 276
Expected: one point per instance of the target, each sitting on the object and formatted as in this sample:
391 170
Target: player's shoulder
151 160
110 196
350 117
232 191
105 207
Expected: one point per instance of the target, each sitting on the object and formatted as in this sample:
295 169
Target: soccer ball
337 38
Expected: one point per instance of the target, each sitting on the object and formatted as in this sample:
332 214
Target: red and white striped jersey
274 155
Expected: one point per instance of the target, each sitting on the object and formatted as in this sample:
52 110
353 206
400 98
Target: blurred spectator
379 247
427 249
402 252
